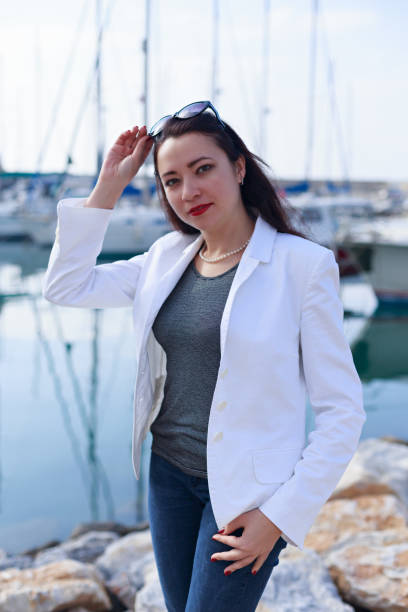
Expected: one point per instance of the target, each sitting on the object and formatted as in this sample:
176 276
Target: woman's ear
240 167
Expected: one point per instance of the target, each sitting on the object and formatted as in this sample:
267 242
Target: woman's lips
199 210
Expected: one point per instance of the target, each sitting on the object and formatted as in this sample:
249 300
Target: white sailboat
321 217
11 221
132 229
133 226
381 250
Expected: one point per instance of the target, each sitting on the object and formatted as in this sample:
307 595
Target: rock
117 528
340 518
56 586
32 552
378 467
150 598
395 440
17 561
120 554
371 569
123 565
125 585
85 548
301 583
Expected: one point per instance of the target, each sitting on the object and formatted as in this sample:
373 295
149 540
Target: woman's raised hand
126 156
120 165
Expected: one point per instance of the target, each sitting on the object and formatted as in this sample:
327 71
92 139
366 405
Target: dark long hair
259 194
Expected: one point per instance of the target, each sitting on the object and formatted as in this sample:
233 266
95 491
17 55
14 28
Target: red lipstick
199 210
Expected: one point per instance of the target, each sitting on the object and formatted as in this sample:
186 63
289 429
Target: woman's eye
205 166
170 182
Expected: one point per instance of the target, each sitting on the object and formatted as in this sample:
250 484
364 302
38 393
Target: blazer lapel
169 280
259 250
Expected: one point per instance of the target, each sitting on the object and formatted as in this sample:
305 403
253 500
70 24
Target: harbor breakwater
355 555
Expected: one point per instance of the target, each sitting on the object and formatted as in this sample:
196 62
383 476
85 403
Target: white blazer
281 337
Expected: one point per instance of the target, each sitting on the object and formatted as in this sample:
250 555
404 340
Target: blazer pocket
275 464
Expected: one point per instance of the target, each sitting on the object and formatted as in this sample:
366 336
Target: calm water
67 379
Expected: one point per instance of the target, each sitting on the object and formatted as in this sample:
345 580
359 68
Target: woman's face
194 171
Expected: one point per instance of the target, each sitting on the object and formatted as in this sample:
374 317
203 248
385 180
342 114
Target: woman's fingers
125 135
230 540
127 155
137 135
229 555
258 563
130 137
238 565
145 143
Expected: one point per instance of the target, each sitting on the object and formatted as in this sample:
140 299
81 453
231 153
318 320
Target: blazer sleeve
72 278
336 397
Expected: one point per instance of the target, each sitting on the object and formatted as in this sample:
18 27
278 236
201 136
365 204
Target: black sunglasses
191 110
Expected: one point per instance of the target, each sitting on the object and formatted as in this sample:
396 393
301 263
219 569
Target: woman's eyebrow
188 165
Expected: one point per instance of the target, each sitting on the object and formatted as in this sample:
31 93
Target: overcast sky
366 41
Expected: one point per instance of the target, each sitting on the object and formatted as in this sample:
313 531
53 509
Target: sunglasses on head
191 110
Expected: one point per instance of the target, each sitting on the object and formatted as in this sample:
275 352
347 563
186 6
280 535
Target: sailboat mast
215 53
38 89
312 80
350 126
145 97
99 126
146 64
265 82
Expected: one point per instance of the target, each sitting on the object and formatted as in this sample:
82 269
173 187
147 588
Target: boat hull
386 267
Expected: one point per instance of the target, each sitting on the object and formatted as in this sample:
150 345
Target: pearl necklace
215 259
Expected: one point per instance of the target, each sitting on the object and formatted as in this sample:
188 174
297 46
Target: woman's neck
228 238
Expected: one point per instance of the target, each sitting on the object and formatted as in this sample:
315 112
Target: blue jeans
182 525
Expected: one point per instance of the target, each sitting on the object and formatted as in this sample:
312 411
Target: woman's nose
190 189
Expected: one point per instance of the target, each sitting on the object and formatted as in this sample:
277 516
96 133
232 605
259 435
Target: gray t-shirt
188 328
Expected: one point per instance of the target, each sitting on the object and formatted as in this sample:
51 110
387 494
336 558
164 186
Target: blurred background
318 89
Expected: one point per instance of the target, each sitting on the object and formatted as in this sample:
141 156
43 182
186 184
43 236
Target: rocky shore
355 557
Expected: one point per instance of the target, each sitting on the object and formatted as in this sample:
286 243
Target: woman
237 315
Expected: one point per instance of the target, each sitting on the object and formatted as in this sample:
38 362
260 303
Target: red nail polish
227 573
214 559
221 531
254 572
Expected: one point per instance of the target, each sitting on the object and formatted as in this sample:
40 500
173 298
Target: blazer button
224 373
221 406
218 436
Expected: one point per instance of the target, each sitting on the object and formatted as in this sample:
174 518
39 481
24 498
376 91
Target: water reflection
382 351
69 431
66 405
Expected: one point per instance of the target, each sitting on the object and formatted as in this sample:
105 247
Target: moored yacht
381 250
